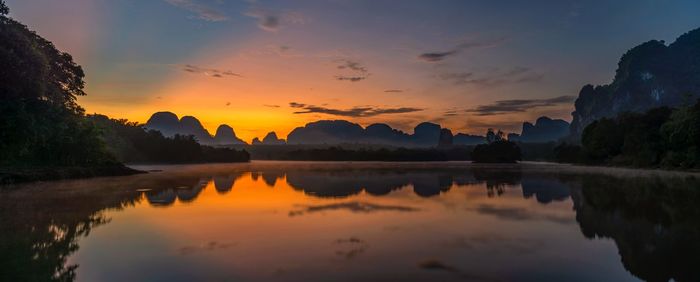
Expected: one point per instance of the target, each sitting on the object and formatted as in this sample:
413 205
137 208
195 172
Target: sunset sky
264 66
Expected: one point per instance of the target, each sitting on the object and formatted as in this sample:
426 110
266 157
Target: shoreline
19 175
16 175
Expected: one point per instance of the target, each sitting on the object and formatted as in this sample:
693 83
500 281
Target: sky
263 66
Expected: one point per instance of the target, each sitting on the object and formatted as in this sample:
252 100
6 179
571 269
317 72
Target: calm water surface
286 221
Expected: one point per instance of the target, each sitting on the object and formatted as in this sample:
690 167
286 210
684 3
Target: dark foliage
568 153
131 143
40 121
661 137
650 75
336 153
500 151
653 222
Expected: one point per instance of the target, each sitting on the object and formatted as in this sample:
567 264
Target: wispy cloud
367 111
357 71
202 11
209 72
432 57
519 105
495 78
273 21
393 91
350 78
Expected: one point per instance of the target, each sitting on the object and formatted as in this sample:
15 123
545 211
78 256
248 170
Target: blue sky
397 62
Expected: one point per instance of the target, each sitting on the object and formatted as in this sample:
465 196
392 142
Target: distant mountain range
337 132
332 132
544 130
649 75
169 125
328 132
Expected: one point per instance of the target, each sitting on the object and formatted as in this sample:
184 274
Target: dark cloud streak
367 111
432 57
209 72
519 105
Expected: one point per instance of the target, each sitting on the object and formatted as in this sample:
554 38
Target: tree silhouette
41 123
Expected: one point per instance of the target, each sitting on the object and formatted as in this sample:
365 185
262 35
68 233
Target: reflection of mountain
654 223
343 132
346 183
545 190
224 183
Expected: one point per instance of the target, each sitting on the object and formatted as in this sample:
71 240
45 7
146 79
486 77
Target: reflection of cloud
210 246
209 72
356 246
521 214
367 111
513 75
203 12
355 207
519 105
432 57
437 265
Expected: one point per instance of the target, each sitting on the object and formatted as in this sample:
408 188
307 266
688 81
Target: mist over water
312 221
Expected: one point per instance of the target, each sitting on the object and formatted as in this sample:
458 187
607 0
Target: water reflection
653 221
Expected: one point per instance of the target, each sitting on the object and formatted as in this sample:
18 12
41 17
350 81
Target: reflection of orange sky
256 239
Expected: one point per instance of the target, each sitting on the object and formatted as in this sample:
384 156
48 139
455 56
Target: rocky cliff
650 75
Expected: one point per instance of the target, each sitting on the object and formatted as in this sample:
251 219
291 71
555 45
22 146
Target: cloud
367 111
352 65
203 12
432 57
357 70
393 91
350 78
495 78
355 207
271 21
436 56
209 72
519 105
271 106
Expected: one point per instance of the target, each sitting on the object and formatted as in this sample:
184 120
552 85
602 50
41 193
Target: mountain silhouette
226 136
544 130
468 139
649 75
271 139
169 125
337 132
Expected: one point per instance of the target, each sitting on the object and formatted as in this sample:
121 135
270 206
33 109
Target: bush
501 151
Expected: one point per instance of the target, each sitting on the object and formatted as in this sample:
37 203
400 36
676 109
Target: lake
311 221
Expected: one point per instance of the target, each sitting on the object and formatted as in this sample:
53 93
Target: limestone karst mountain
544 130
649 75
169 125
